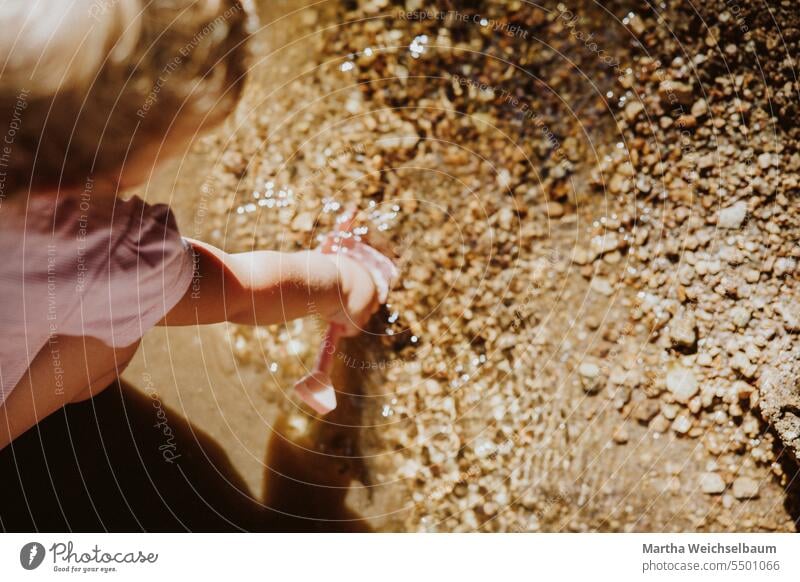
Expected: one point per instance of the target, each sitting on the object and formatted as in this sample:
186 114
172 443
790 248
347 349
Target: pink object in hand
316 389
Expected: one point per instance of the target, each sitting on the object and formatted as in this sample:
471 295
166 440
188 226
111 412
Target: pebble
589 370
785 266
670 91
745 488
303 222
602 286
741 363
712 483
555 210
765 161
603 244
683 331
633 109
682 384
644 409
682 424
620 435
700 108
659 424
590 376
732 217
705 359
670 411
790 312
740 316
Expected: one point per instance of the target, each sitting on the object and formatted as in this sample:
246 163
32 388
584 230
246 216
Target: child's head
88 87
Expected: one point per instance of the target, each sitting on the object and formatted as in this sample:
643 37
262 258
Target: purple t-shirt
83 264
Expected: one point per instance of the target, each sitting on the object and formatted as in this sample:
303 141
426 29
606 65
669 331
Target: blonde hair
84 83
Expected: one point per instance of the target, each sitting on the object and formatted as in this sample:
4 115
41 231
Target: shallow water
463 408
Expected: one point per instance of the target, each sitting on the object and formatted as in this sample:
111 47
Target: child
93 94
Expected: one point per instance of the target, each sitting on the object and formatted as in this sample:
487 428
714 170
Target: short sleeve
137 272
84 264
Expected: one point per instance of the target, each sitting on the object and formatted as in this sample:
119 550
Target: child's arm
266 287
258 288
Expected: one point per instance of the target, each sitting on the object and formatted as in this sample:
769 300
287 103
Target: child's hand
359 296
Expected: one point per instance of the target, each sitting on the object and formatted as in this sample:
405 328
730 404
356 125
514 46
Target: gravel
654 251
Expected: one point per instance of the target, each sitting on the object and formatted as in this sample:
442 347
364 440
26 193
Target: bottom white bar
401 557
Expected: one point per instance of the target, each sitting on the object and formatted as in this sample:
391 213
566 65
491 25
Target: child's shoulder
86 219
79 249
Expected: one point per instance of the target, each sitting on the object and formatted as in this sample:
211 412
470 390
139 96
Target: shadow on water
308 474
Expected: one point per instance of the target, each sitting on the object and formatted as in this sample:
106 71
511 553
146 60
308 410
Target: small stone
784 266
303 222
745 488
580 256
790 311
643 184
620 435
589 370
683 331
705 359
621 397
659 424
700 108
740 316
555 209
695 405
674 91
682 424
633 109
732 217
601 245
602 286
682 384
669 411
637 25
590 376
764 161
741 363
742 390
712 483
752 275
707 161
644 409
